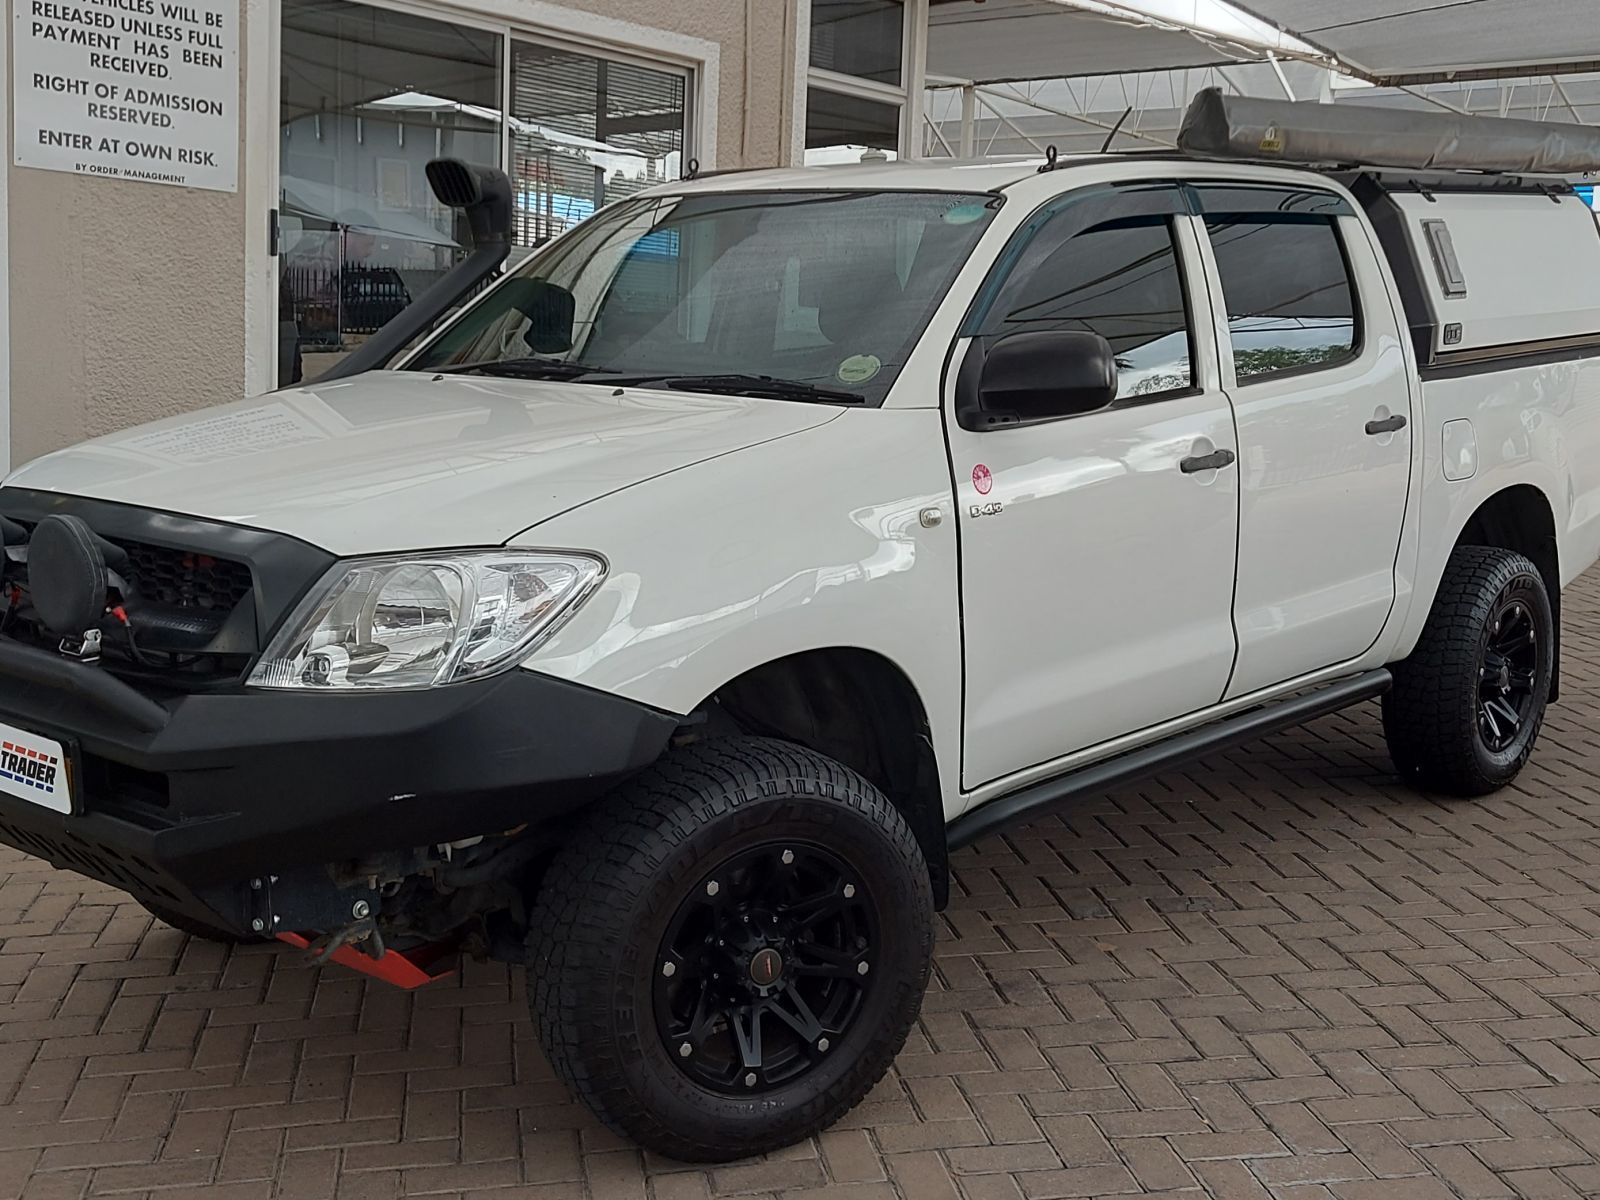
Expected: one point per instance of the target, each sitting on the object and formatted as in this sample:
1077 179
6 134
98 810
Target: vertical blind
585 131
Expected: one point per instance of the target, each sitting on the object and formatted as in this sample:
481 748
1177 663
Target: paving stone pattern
1277 974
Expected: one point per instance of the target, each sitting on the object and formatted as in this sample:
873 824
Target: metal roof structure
1076 115
988 41
1393 42
1424 41
1015 76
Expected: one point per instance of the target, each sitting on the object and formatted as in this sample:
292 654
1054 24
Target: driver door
1097 562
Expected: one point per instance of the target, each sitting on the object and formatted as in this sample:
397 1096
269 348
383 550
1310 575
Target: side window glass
1120 280
1287 289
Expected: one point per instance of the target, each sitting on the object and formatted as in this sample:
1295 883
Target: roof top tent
1311 134
1466 208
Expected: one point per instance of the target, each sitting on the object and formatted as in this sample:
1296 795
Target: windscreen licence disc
34 768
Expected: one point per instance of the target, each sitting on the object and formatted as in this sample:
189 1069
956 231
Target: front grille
202 593
179 578
119 868
185 579
178 600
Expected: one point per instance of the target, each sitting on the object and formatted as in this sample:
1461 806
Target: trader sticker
31 768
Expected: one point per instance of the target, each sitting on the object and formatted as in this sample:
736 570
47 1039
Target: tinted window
1287 291
858 37
1122 281
852 123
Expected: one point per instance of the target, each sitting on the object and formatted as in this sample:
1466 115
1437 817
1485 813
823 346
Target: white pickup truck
667 617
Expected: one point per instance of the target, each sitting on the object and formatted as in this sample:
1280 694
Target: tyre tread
620 848
1432 735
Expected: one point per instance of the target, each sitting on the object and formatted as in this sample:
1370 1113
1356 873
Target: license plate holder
36 769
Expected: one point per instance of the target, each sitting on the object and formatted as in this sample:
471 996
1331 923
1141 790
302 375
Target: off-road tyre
1438 736
647 855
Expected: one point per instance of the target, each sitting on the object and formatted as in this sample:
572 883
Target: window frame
849 80
1277 204
1049 228
855 89
906 96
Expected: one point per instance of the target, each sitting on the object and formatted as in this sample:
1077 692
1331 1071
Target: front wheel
1466 707
730 952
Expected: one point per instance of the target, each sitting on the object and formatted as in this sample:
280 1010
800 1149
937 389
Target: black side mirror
551 311
1024 378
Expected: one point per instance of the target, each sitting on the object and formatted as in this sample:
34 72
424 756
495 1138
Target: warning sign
129 89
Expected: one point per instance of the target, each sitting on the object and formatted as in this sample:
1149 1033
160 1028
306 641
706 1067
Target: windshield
829 290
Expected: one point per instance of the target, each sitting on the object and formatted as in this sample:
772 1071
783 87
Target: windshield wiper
752 385
533 367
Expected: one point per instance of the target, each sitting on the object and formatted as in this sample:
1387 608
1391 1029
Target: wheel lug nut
788 857
862 968
713 888
685 1050
849 890
822 1043
669 969
750 1079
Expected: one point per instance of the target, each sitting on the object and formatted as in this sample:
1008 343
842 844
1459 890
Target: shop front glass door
369 96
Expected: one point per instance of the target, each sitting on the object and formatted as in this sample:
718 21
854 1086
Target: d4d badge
983 481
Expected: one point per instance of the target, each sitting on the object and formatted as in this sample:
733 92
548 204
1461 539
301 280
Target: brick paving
1279 974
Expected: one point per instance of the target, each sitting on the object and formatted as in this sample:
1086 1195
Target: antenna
1116 129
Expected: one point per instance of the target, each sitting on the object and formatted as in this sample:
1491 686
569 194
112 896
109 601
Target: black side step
1041 798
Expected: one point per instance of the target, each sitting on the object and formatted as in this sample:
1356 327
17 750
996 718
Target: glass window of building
842 128
864 38
586 131
369 95
858 97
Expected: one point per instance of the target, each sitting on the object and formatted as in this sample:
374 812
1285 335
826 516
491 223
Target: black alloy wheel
765 967
729 951
1509 671
1467 705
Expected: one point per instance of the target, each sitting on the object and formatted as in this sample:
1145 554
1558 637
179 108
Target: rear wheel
732 950
197 929
1467 706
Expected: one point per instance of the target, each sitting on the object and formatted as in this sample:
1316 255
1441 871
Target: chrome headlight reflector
418 621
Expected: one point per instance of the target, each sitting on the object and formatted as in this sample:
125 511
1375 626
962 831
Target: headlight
419 621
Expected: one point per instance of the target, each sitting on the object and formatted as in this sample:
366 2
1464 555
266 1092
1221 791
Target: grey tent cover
1357 134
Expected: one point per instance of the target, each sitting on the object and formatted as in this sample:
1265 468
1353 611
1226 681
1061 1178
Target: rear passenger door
1314 365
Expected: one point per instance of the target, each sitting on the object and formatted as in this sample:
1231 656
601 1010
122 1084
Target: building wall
128 300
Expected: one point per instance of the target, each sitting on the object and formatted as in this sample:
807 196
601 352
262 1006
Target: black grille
185 579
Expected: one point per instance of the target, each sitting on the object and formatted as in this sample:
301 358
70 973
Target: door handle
1393 424
1207 462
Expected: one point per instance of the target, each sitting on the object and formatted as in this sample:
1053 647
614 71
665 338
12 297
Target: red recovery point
408 969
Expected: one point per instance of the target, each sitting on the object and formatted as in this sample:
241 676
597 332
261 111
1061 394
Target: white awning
1394 41
1039 39
1418 41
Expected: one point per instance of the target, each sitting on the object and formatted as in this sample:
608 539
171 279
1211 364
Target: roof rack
1307 133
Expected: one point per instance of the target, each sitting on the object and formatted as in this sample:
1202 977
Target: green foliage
1284 358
